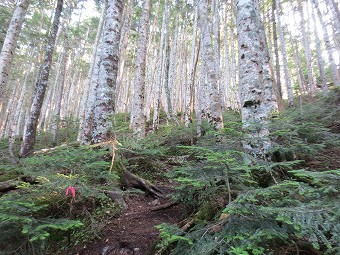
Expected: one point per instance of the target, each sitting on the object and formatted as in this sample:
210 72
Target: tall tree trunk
84 135
321 62
108 71
60 89
64 75
162 66
276 51
307 50
199 110
256 85
326 38
137 113
227 63
9 45
336 9
166 82
215 114
297 61
123 45
40 89
236 105
216 43
284 56
333 7
190 81
7 114
18 111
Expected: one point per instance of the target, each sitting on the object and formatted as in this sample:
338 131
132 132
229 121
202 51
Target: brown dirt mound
134 232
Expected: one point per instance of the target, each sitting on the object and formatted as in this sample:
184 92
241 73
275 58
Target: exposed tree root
130 180
164 206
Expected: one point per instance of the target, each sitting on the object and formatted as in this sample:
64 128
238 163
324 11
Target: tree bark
307 50
85 121
321 62
256 86
60 90
326 38
284 56
108 71
137 112
190 81
215 113
161 67
276 52
9 45
300 77
40 89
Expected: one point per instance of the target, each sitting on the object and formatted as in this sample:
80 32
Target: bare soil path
134 232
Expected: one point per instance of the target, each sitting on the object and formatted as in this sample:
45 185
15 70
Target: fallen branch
48 150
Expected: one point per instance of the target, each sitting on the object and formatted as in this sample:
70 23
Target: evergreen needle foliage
275 207
37 216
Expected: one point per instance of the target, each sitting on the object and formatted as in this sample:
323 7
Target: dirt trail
133 233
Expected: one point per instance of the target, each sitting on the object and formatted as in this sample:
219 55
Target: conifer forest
170 127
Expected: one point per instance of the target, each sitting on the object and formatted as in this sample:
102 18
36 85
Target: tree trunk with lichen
137 112
319 57
329 48
161 67
215 113
108 70
40 89
84 135
306 48
191 74
256 85
284 56
9 45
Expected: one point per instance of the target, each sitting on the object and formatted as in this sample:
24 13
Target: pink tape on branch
71 190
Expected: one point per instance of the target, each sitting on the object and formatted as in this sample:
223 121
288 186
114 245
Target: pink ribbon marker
71 190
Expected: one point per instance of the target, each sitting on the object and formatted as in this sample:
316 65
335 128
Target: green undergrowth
238 205
43 216
243 206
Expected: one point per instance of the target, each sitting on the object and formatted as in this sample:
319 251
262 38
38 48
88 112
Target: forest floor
325 159
134 232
